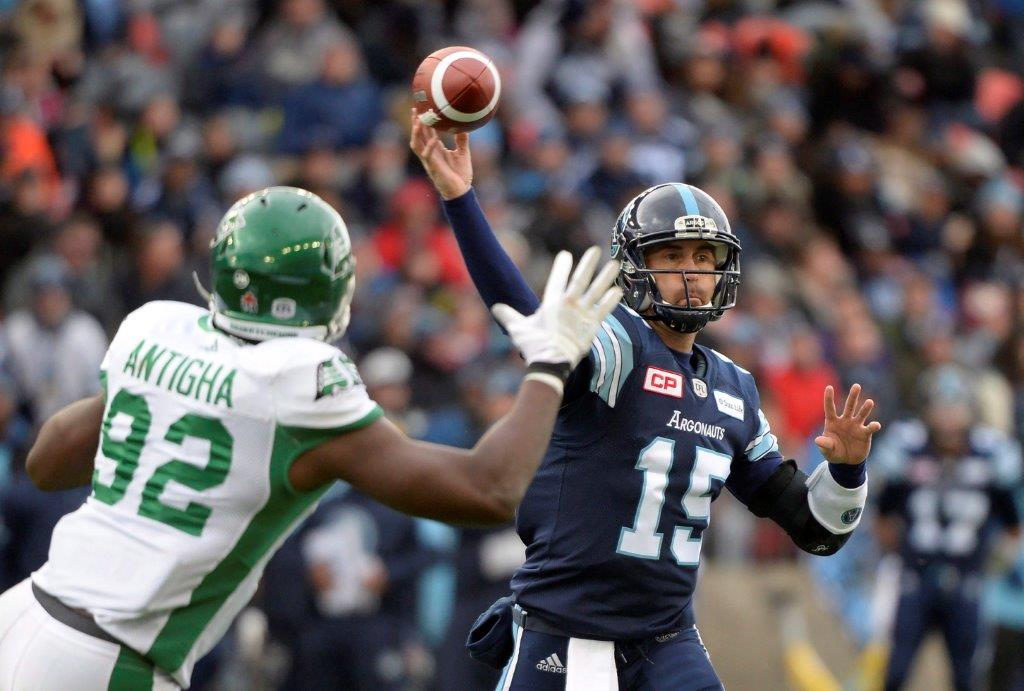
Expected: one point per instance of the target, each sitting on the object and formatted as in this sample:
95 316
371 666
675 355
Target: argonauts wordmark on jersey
704 429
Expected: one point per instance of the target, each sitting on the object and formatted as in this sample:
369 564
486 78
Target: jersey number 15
642 540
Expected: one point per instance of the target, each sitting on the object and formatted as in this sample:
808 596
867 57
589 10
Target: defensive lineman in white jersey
219 430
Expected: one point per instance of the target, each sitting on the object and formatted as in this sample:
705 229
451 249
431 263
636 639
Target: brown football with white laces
456 89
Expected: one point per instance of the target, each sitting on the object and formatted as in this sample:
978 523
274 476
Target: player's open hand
847 437
451 170
560 331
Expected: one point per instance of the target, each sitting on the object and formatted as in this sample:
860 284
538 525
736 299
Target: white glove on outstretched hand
556 337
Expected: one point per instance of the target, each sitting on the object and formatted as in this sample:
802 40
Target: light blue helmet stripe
689 201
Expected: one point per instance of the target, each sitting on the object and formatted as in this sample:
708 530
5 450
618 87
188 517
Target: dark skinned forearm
65 448
511 450
480 486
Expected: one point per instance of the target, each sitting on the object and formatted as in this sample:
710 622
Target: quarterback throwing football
652 427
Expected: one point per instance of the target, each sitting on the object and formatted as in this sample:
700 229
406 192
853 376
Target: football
456 89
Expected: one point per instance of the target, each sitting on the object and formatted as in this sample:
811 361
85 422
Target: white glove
556 337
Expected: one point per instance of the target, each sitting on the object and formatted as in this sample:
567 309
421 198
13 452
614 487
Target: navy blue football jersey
951 508
614 518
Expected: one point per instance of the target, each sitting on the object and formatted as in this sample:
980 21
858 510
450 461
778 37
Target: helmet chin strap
201 289
691 323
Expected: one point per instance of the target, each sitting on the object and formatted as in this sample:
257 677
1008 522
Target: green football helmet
282 265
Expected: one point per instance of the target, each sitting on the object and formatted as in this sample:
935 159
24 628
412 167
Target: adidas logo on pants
551 663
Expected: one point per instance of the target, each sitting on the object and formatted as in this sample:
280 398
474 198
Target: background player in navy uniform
949 495
652 427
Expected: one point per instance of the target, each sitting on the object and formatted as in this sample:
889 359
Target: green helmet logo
282 265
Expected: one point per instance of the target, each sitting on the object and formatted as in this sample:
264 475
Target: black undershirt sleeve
783 498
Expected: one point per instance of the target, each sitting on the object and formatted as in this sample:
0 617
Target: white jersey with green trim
190 495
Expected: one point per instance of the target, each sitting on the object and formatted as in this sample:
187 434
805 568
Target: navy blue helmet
665 213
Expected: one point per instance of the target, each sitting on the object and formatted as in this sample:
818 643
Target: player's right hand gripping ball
456 89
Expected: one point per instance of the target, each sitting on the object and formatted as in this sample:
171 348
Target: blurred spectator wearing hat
664 144
222 73
919 236
387 374
55 349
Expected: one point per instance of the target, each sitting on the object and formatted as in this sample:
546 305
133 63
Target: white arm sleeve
836 507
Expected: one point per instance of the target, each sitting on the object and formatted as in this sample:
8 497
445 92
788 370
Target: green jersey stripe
283 508
131 672
302 439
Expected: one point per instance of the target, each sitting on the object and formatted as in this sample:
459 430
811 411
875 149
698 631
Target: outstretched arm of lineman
65 448
495 276
483 485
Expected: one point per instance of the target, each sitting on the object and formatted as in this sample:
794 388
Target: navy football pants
678 664
924 605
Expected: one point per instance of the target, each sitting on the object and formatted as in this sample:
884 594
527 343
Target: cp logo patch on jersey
663 382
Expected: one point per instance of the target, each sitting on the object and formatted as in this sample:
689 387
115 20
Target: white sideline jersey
190 495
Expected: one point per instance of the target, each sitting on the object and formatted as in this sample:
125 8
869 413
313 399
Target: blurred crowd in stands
870 156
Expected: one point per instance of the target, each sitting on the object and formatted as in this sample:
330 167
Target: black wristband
562 370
